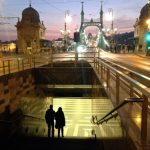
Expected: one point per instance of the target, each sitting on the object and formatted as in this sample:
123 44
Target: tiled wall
13 87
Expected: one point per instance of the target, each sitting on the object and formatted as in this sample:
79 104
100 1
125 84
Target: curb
143 56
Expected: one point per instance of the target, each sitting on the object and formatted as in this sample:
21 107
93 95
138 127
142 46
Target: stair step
40 143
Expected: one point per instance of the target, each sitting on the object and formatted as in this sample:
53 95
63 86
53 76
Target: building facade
8 46
30 31
141 29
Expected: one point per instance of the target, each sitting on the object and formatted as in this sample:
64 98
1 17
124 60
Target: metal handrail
11 121
25 115
34 117
126 69
143 88
110 114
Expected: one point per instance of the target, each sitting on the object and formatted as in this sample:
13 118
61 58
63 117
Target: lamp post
66 32
110 10
112 30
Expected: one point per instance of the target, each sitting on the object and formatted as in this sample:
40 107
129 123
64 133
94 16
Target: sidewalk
141 54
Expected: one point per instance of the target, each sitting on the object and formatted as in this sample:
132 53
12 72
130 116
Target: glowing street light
147 38
110 17
111 14
68 18
66 32
148 23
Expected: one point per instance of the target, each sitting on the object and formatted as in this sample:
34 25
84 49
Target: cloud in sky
52 13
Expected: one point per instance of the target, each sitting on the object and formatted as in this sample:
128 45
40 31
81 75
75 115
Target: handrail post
98 53
18 64
51 58
108 77
3 67
117 89
33 60
30 61
22 64
76 57
98 65
144 121
9 70
94 60
131 87
101 71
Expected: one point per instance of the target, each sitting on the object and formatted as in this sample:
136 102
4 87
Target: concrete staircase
32 130
41 143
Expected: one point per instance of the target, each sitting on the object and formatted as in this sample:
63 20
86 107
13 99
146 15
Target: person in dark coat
60 121
49 117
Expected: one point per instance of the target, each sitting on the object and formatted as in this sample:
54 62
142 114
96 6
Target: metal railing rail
144 89
34 117
19 118
12 65
126 70
66 58
110 114
119 85
11 121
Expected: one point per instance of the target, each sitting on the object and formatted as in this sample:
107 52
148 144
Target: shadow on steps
43 143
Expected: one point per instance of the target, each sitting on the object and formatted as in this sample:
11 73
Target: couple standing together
50 116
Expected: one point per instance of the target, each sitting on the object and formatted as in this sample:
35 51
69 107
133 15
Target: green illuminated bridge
105 105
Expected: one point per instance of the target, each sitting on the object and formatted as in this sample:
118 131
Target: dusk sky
52 13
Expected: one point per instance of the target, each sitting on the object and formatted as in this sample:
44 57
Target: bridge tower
82 38
101 15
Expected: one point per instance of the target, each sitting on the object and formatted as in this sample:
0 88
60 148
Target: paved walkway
142 55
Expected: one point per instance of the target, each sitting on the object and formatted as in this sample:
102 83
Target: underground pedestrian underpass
81 95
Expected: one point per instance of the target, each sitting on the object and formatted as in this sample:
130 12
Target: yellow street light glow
62 31
68 18
115 29
109 17
148 22
68 31
103 29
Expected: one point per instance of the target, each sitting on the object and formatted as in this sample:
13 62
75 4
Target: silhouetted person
60 121
49 117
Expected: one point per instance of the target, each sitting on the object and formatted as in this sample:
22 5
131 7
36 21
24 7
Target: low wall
12 87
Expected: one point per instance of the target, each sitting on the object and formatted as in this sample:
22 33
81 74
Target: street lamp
110 10
66 32
148 24
110 16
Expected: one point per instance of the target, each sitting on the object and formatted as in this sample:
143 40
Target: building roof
145 12
30 15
